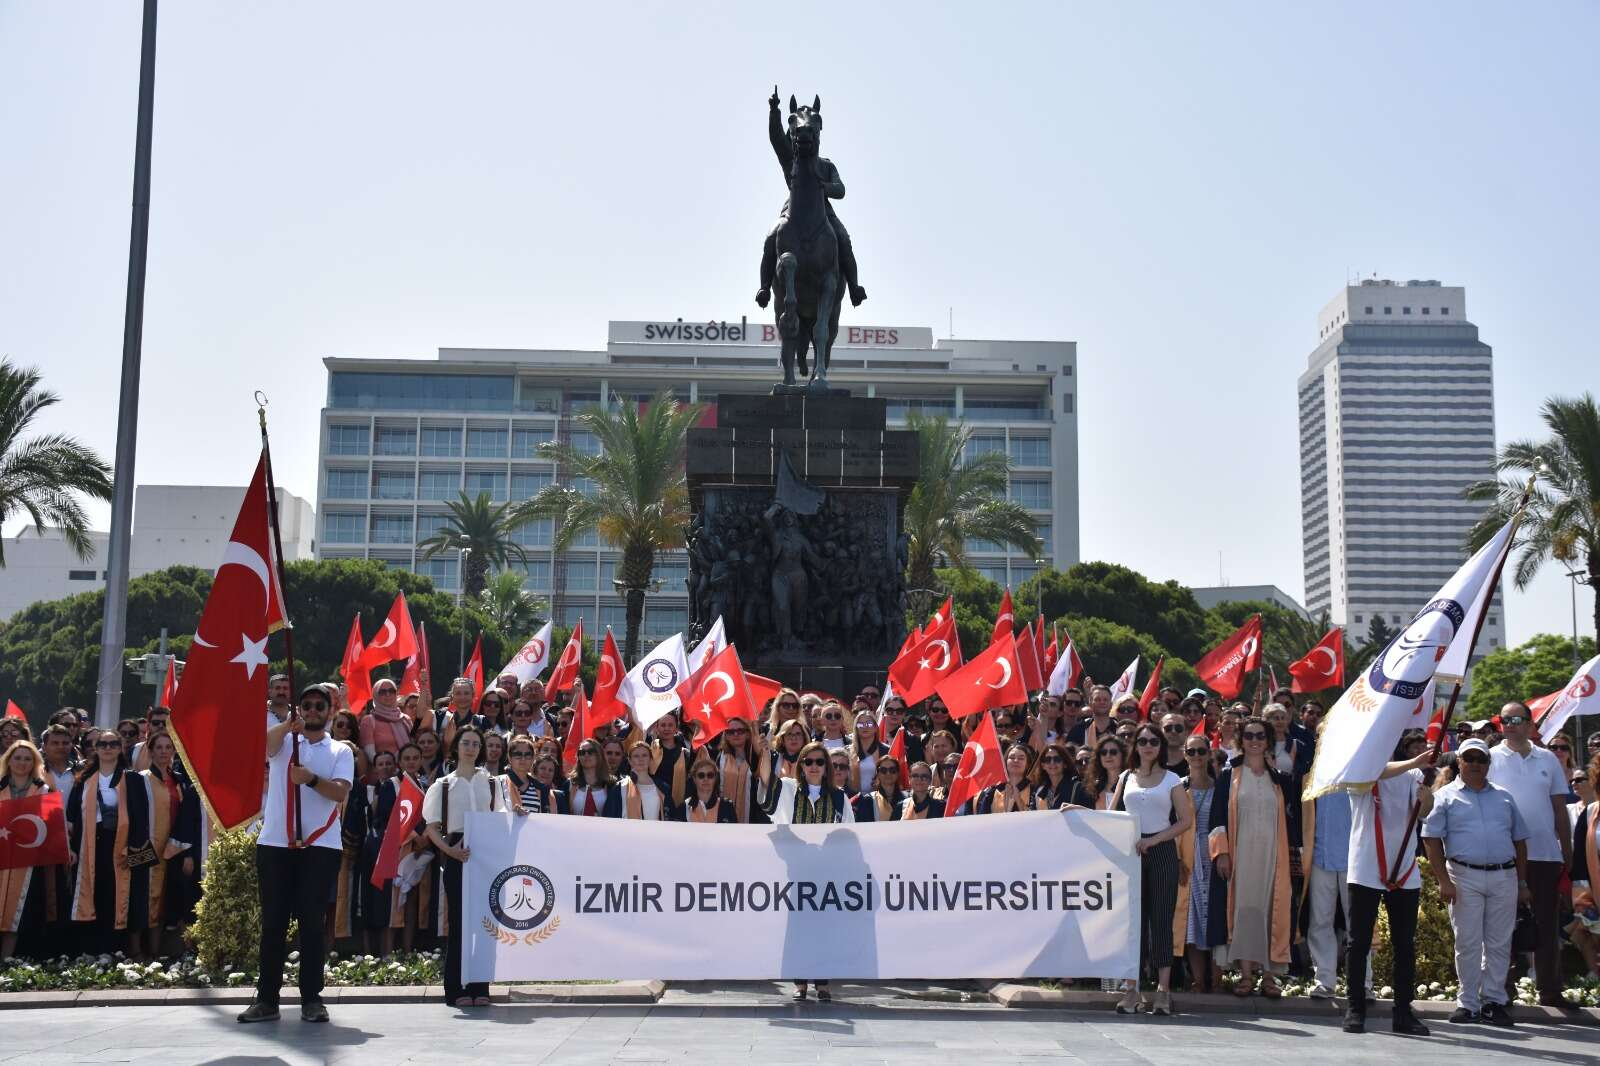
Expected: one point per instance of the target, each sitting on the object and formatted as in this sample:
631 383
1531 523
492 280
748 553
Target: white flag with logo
651 687
715 640
1579 697
530 662
1360 731
1124 684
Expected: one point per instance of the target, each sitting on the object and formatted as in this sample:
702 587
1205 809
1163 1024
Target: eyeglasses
1562 747
524 713
1072 703
1052 758
1474 757
732 732
1148 742
1254 736
709 775
789 705
313 705
522 755
921 775
588 754
832 717
1197 752
1103 752
813 762
1172 729
108 744
895 770
129 733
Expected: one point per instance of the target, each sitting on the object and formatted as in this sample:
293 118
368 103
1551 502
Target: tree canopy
1539 666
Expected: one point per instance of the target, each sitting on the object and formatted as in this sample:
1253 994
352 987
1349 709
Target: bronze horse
808 272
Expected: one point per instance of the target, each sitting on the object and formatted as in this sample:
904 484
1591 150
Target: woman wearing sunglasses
29 895
1197 926
1098 785
1054 777
593 791
107 818
705 802
790 737
1155 796
920 801
520 790
740 752
809 800
884 802
865 750
642 798
832 734
1250 845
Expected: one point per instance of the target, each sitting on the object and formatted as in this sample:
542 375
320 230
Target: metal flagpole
114 620
288 625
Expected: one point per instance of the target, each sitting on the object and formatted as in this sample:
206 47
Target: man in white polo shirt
299 849
1535 778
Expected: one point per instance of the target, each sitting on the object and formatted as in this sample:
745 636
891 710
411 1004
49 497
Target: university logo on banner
521 899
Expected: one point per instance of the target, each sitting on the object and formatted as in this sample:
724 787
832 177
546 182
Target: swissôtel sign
744 331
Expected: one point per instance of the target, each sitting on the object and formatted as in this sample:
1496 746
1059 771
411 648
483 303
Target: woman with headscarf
385 727
705 803
108 818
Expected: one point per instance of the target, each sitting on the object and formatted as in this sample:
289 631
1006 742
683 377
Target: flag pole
288 626
1455 691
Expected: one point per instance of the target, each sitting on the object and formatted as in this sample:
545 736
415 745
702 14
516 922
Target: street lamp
461 603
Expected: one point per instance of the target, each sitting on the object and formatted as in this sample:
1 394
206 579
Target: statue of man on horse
808 253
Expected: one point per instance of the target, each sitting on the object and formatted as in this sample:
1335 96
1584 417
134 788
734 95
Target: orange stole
14 885
679 775
1281 894
999 804
736 785
163 809
703 815
633 801
83 890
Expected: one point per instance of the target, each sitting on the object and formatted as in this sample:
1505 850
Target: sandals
1163 1004
461 1002
1270 989
1244 988
1129 1003
824 996
800 994
480 1001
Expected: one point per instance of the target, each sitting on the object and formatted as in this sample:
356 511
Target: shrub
1436 942
226 933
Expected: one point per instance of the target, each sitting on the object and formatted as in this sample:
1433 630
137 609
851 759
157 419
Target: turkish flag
990 680
1151 688
700 656
396 638
1536 706
1323 666
946 610
720 695
762 689
565 674
13 711
586 721
169 685
1199 729
33 831
897 752
917 673
1436 727
403 821
411 678
217 712
607 679
1052 652
1004 621
475 670
357 676
1224 667
981 765
1028 660
913 638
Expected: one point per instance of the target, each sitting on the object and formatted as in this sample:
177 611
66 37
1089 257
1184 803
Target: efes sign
722 331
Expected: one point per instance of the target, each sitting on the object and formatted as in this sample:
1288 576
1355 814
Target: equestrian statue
808 252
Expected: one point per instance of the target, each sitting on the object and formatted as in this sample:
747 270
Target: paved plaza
753 1024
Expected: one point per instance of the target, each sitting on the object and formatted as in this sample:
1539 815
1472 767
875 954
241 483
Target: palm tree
42 476
483 530
957 499
506 607
1562 521
635 493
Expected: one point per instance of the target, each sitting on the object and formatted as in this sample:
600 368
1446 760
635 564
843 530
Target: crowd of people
1241 876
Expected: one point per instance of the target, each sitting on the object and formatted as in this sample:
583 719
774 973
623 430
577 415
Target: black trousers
1158 898
295 883
453 988
1401 904
1543 879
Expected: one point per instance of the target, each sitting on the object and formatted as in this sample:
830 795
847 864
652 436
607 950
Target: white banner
1041 894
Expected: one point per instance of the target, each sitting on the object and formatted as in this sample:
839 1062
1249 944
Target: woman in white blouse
467 790
642 798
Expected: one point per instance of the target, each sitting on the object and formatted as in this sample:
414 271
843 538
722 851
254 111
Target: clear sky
1178 188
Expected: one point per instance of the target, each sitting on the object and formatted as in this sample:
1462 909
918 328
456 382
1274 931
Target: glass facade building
401 437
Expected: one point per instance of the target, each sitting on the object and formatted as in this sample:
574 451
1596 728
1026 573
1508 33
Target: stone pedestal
813 599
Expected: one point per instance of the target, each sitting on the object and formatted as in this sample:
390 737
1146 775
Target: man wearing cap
1477 846
299 849
1537 781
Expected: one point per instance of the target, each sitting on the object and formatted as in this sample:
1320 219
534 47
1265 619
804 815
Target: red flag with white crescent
1005 621
395 639
586 720
917 673
216 717
403 821
1151 689
897 752
1223 669
992 679
33 832
720 696
607 679
411 678
1028 660
1321 667
565 674
475 670
357 677
981 766
169 684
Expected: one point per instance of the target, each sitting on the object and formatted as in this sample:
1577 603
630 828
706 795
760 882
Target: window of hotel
535 574
419 392
393 564
1425 310
661 622
585 443
347 484
1030 451
391 529
1388 310
492 482
1045 531
393 485
614 615
1066 403
347 440
80 575
486 444
442 572
397 440
589 538
429 524
525 442
997 574
983 444
438 485
1021 572
1444 310
1034 495
342 528
976 544
1369 309
1359 619
526 486
441 441
545 401
581 575
672 573
534 534
585 485
1405 310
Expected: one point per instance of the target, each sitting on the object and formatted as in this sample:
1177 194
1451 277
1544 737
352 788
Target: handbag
1525 935
139 858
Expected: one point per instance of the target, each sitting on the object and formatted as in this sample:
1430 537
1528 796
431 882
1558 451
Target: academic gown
112 899
611 807
875 807
723 814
